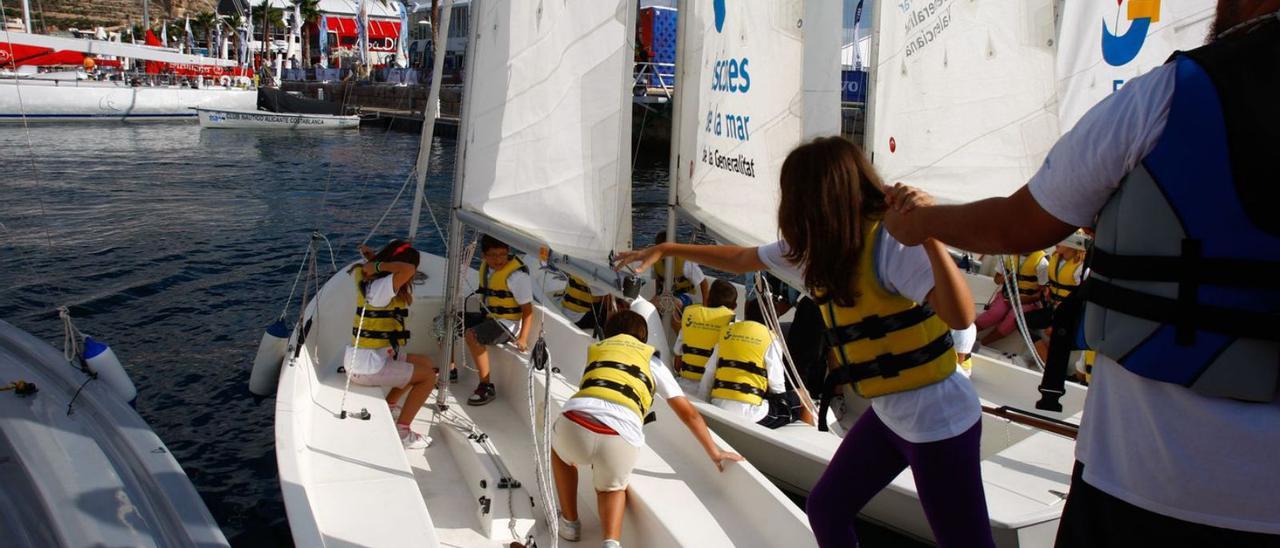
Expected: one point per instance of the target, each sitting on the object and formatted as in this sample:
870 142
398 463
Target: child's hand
366 252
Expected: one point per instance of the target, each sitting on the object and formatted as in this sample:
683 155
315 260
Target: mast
26 15
146 15
868 114
673 167
452 277
429 126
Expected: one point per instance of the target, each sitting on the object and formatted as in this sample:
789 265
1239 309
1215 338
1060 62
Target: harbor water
177 246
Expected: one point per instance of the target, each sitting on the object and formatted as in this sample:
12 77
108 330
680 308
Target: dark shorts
490 332
1093 518
784 409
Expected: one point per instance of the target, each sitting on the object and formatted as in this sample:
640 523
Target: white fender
266 365
103 361
657 332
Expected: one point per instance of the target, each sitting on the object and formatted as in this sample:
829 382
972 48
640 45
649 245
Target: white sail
964 102
1105 44
755 79
548 123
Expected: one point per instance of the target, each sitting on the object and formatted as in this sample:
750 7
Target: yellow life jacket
1028 282
1090 358
885 343
700 329
618 371
382 326
1062 277
967 365
741 372
499 300
682 286
577 296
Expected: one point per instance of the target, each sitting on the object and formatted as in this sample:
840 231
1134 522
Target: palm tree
204 23
310 10
270 17
234 22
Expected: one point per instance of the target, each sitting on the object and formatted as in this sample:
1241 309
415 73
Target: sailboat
543 165
965 104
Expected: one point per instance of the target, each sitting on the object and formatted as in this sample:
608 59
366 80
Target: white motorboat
80 467
259 119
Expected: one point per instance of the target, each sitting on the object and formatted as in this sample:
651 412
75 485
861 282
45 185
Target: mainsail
1105 44
547 122
755 80
963 100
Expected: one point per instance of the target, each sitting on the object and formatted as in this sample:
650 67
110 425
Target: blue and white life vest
1185 283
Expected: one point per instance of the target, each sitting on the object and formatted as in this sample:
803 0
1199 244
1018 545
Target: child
700 328
508 305
384 291
601 426
872 291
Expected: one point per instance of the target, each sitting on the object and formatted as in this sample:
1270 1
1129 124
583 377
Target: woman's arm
683 409
401 273
730 258
950 296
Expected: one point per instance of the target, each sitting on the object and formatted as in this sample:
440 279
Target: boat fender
657 328
225 81
266 365
103 361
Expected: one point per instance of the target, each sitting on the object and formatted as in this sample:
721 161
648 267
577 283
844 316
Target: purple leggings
947 473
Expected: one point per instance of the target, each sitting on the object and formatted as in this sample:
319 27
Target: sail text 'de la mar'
925 22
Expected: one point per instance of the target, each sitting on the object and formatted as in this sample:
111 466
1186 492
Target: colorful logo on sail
1119 49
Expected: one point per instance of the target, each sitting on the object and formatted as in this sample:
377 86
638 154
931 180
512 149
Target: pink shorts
394 374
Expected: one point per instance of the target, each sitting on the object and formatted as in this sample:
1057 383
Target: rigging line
387 211
296 277
764 297
1011 293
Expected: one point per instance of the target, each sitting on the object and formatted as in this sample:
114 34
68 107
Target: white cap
964 339
1077 240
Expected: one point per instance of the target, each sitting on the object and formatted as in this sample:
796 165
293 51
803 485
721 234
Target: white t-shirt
777 384
930 413
521 287
694 273
1157 445
367 361
621 418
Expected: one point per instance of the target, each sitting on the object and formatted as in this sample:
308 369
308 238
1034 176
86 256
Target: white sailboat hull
257 119
29 101
349 482
97 476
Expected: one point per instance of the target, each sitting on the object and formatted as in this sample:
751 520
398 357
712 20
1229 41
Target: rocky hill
57 15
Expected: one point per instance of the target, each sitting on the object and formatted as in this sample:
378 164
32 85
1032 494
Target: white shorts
391 374
610 457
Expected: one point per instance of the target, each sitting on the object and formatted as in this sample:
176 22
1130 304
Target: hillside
56 15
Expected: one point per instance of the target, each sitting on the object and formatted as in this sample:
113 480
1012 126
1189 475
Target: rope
355 347
1015 303
72 339
297 277
539 360
765 298
394 201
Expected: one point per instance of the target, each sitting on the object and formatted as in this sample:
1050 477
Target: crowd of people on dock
1163 269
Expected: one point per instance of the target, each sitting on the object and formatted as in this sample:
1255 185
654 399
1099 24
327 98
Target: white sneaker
413 440
570 530
610 543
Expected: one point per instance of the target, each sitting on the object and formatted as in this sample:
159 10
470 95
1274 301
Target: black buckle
1049 399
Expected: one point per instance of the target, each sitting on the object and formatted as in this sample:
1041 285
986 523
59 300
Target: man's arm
1016 224
526 325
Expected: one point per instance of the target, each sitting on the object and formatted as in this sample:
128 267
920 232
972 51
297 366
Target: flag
362 30
164 33
191 38
857 52
402 43
324 41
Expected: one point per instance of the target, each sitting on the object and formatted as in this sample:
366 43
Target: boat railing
655 79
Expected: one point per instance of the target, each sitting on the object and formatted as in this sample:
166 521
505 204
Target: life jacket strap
1182 314
626 368
876 327
745 366
574 284
573 300
503 310
891 365
698 369
394 313
706 353
1180 269
618 387
739 387
402 335
496 293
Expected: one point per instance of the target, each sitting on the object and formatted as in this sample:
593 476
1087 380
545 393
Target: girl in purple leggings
888 309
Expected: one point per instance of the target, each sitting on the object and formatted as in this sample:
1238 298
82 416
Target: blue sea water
177 246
